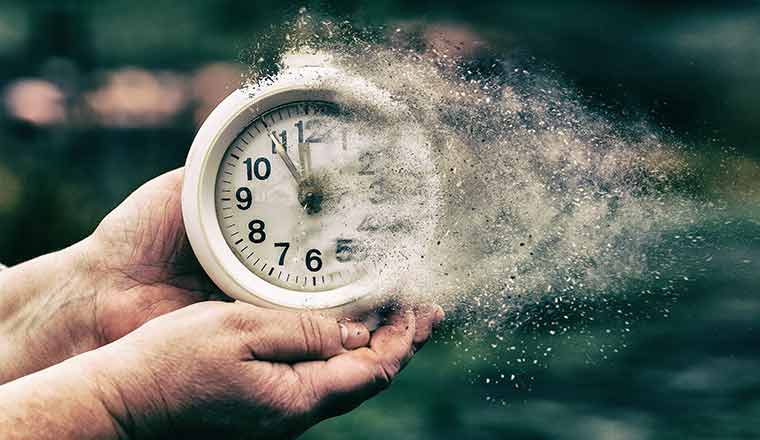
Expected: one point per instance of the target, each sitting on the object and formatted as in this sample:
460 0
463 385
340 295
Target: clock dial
316 191
286 225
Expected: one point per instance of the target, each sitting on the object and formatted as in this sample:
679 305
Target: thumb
282 336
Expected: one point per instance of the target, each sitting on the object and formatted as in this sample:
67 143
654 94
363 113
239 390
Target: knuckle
314 339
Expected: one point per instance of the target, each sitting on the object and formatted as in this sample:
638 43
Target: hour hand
280 149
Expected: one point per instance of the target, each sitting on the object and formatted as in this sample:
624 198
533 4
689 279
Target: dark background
98 97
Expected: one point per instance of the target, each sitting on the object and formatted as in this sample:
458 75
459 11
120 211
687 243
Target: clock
311 190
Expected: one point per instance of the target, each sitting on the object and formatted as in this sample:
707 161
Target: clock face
317 191
285 214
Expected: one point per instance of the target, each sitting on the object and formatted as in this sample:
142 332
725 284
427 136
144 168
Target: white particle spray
536 208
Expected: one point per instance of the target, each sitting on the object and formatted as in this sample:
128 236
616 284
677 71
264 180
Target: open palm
143 260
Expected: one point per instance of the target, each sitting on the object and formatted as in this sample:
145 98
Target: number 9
244 197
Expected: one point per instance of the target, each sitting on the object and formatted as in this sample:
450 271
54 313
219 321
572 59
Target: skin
123 331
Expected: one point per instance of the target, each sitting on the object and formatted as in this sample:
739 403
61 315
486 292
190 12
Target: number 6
313 262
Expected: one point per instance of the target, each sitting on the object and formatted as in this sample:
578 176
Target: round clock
311 190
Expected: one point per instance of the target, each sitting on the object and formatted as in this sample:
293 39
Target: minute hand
280 149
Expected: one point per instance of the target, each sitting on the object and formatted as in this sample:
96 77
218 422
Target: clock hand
304 156
308 196
280 149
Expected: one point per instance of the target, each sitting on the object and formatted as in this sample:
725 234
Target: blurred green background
98 97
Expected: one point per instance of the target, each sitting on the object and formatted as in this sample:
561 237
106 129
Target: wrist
46 311
121 379
61 402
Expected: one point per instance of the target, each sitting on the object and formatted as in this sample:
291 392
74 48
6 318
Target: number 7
285 247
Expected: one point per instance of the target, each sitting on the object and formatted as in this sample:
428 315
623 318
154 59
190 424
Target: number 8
257 229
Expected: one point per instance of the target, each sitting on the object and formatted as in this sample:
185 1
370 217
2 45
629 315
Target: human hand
215 368
137 265
142 261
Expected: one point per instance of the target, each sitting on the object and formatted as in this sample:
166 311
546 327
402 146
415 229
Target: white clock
292 201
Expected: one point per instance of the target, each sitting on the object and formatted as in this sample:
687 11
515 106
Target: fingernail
353 335
343 333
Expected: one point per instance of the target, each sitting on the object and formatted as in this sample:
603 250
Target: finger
393 342
281 336
354 334
428 316
345 381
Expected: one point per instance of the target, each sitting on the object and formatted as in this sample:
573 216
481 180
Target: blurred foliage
101 96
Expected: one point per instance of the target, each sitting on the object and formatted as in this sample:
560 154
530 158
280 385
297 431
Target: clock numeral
377 192
314 138
313 262
369 223
255 168
283 138
285 246
343 250
366 159
244 197
256 234
299 126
